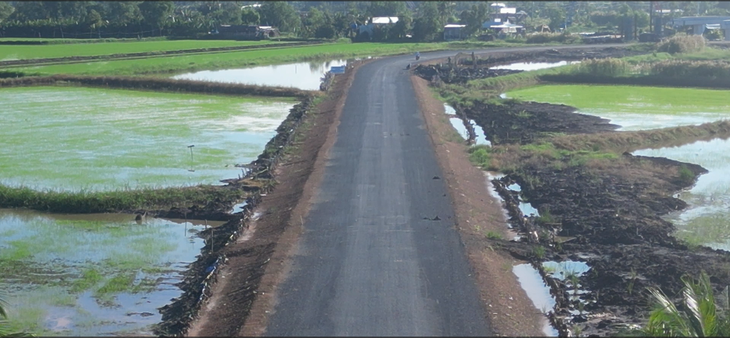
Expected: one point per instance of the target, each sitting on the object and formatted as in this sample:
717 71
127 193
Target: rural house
453 32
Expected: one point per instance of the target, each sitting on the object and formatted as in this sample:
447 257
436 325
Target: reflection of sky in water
633 121
458 124
303 75
710 197
537 291
527 66
57 249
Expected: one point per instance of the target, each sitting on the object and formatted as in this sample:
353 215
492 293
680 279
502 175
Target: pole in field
191 157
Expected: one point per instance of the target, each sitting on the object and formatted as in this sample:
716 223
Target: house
454 32
699 24
502 28
506 13
245 32
366 32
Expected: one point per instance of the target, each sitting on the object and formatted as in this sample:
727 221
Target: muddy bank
510 121
202 273
605 213
461 68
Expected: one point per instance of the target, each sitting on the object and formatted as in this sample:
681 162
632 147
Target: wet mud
607 215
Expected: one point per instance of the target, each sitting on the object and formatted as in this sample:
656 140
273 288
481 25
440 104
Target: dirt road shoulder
510 311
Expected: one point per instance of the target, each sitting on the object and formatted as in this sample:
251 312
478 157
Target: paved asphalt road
380 254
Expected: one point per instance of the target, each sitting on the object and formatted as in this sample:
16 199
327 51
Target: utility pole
651 16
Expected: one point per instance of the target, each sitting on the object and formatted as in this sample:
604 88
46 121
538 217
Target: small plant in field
633 275
493 235
539 252
686 175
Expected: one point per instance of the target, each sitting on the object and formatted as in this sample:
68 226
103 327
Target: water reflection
527 66
706 220
93 274
302 75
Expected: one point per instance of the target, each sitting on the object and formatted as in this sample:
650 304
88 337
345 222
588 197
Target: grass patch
60 50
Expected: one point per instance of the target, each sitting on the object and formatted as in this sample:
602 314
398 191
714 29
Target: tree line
423 20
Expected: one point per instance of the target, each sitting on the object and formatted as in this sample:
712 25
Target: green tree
156 13
386 8
281 15
123 12
427 26
697 316
402 27
250 17
6 9
474 18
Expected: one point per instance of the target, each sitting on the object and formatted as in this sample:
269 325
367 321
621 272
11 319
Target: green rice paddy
636 107
21 52
75 138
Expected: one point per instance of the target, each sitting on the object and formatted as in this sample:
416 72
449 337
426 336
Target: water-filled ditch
302 75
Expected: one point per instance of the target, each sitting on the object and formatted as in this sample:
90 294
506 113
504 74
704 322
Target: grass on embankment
120 200
590 149
222 60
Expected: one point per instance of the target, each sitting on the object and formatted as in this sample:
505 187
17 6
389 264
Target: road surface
379 254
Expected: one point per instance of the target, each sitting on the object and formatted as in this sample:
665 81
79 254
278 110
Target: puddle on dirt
238 207
528 66
458 124
92 274
706 220
536 289
66 138
564 269
302 75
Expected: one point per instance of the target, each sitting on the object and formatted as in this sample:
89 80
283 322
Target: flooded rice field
302 75
71 138
635 107
706 221
59 282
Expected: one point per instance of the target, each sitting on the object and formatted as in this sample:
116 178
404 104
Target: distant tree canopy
316 19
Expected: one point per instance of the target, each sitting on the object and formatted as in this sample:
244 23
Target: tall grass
682 44
119 200
603 67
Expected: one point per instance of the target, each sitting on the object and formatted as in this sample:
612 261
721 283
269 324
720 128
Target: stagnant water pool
302 75
94 274
707 219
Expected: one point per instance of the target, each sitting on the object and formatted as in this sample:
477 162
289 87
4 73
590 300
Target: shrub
681 68
682 44
603 67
